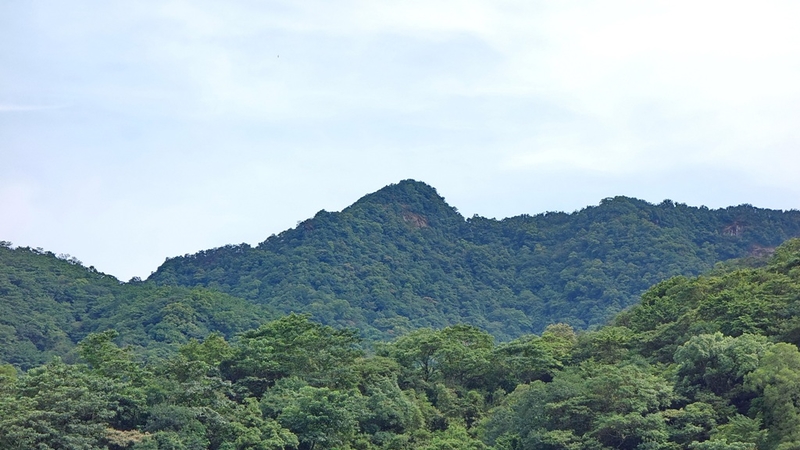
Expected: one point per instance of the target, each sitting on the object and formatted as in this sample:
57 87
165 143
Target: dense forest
48 303
397 260
402 258
706 362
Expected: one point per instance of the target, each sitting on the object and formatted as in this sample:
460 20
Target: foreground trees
280 386
672 373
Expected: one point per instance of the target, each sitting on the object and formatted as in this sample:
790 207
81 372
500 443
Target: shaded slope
47 304
401 258
763 300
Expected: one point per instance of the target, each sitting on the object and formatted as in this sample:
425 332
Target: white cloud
173 105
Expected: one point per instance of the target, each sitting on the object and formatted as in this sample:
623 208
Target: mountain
49 303
396 260
402 258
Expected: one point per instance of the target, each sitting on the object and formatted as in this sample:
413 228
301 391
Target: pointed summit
415 202
406 191
402 258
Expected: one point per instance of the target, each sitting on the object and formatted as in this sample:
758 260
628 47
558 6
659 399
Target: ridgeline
402 258
397 260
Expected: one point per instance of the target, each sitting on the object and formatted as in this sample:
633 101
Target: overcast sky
135 130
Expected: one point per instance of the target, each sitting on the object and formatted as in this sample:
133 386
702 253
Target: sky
135 131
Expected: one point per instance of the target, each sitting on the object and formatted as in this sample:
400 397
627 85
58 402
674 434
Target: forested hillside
401 258
705 363
47 304
397 260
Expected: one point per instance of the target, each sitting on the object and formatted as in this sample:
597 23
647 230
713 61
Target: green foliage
609 344
591 405
49 303
458 356
740 431
107 359
402 259
668 376
762 301
692 423
387 408
718 363
320 417
293 346
296 383
524 360
454 438
56 406
777 379
254 432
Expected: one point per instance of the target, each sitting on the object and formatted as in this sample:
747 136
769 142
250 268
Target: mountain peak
404 191
417 203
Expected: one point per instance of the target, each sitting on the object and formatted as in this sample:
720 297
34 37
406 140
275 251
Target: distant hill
49 303
402 258
397 260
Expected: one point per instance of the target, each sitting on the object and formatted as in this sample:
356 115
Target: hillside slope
48 304
402 258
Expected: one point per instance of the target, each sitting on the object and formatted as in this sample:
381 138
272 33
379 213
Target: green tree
587 406
108 359
417 353
320 417
458 355
455 437
293 346
464 357
57 406
524 360
718 363
254 432
740 432
777 378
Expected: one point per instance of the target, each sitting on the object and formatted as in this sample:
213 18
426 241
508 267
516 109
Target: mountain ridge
401 258
395 260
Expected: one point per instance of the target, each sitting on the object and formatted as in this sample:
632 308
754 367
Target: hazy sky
135 130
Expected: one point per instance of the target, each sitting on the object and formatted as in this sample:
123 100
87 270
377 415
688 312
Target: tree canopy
670 373
402 258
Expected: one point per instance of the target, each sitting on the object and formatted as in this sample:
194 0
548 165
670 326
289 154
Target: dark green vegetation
401 259
47 304
703 363
397 260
